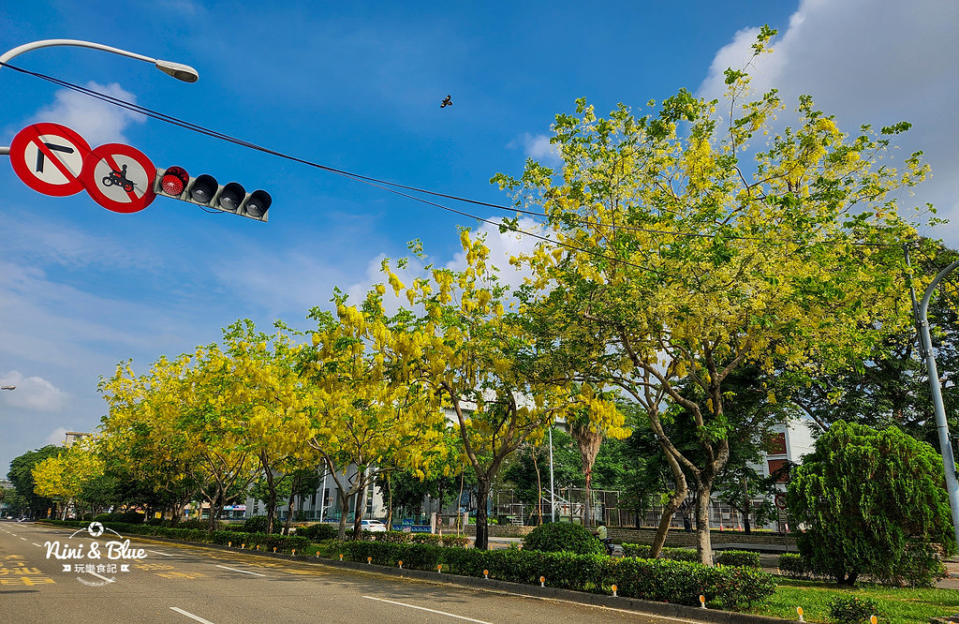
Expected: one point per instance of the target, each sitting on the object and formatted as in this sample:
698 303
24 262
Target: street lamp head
178 70
8 387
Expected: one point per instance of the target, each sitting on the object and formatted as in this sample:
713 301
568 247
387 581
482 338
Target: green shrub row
318 532
794 565
651 579
283 543
746 558
130 517
726 557
674 554
403 537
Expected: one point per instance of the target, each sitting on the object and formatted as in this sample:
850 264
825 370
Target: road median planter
657 586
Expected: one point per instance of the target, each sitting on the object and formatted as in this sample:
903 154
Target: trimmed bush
793 565
129 517
563 537
738 558
257 524
318 532
853 610
643 551
637 550
680 554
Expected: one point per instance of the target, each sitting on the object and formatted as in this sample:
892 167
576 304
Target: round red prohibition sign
49 158
119 177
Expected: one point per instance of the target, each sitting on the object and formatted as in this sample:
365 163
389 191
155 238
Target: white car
374 526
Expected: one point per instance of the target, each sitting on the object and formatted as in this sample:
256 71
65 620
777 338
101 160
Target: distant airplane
447 102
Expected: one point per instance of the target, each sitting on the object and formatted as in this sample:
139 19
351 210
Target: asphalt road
185 584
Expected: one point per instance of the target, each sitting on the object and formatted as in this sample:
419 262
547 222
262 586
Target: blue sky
358 87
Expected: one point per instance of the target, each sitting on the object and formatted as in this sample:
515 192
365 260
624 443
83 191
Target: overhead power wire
370 181
392 186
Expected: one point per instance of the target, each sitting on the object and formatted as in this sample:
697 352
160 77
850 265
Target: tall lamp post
942 428
177 70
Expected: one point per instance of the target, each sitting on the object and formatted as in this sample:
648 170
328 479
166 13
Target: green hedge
793 565
318 532
746 558
651 579
403 537
130 517
563 537
674 554
283 543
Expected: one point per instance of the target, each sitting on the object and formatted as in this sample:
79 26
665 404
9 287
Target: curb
492 585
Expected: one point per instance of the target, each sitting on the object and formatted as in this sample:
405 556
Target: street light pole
177 70
942 427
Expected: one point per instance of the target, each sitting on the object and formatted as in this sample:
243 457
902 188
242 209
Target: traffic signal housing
204 190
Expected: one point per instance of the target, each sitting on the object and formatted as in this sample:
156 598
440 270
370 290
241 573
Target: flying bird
447 102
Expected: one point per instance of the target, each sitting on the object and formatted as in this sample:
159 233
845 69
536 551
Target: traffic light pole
942 427
177 70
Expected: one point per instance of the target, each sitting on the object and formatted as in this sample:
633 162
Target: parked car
374 526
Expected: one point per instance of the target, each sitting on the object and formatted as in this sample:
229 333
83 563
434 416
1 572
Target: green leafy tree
690 253
872 502
21 475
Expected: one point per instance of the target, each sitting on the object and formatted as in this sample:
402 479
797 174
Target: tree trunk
271 496
360 509
703 539
588 441
482 523
460 529
344 499
679 495
289 512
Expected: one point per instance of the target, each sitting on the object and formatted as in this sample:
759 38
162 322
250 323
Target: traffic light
204 190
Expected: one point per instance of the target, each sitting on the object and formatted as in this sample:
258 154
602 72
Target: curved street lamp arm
942 426
177 70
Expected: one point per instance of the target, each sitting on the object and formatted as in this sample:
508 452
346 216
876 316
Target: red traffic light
174 180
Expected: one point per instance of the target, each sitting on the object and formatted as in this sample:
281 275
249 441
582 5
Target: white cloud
97 121
33 393
537 147
869 61
57 436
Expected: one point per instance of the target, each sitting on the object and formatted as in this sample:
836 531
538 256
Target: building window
779 466
776 444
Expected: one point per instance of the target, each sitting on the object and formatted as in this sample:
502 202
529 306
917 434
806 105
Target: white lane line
36 544
403 604
600 607
190 615
157 552
238 570
23 538
108 580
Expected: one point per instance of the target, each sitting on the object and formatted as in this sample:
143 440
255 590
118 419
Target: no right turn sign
48 158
